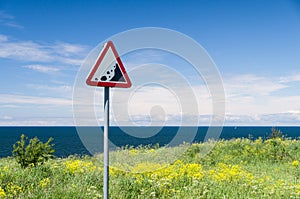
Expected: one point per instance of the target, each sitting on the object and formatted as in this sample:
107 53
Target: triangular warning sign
108 70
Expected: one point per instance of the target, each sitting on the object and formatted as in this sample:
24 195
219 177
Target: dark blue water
67 141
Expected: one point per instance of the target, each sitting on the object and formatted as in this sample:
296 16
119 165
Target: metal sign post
108 71
105 144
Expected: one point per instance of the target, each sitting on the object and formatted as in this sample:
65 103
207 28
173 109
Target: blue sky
255 45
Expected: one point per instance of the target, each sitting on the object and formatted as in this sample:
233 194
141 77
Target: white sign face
106 69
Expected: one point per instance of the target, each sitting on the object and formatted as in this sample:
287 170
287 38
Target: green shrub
33 153
275 133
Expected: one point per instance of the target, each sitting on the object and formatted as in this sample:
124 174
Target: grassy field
238 168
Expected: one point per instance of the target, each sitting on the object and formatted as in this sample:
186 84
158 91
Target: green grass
238 168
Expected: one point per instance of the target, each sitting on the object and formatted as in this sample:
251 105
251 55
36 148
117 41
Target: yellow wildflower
295 163
145 167
298 189
6 168
44 182
79 166
192 171
31 165
229 173
13 190
151 150
2 193
133 152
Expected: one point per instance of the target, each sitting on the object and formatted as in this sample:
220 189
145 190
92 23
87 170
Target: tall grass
238 168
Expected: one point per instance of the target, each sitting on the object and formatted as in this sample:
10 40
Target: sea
72 140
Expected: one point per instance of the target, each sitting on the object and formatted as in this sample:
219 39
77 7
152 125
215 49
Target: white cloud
5 16
49 121
251 85
6 117
13 24
22 99
254 94
21 110
71 61
3 38
250 100
156 105
25 51
30 51
61 90
9 20
290 78
11 106
275 119
68 49
41 68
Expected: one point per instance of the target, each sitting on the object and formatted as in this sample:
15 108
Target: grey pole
106 130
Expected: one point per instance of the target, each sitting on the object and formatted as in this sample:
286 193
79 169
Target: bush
275 133
33 153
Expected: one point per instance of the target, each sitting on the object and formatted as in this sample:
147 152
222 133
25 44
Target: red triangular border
125 84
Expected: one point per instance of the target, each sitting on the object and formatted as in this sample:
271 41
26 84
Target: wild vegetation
32 152
237 168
